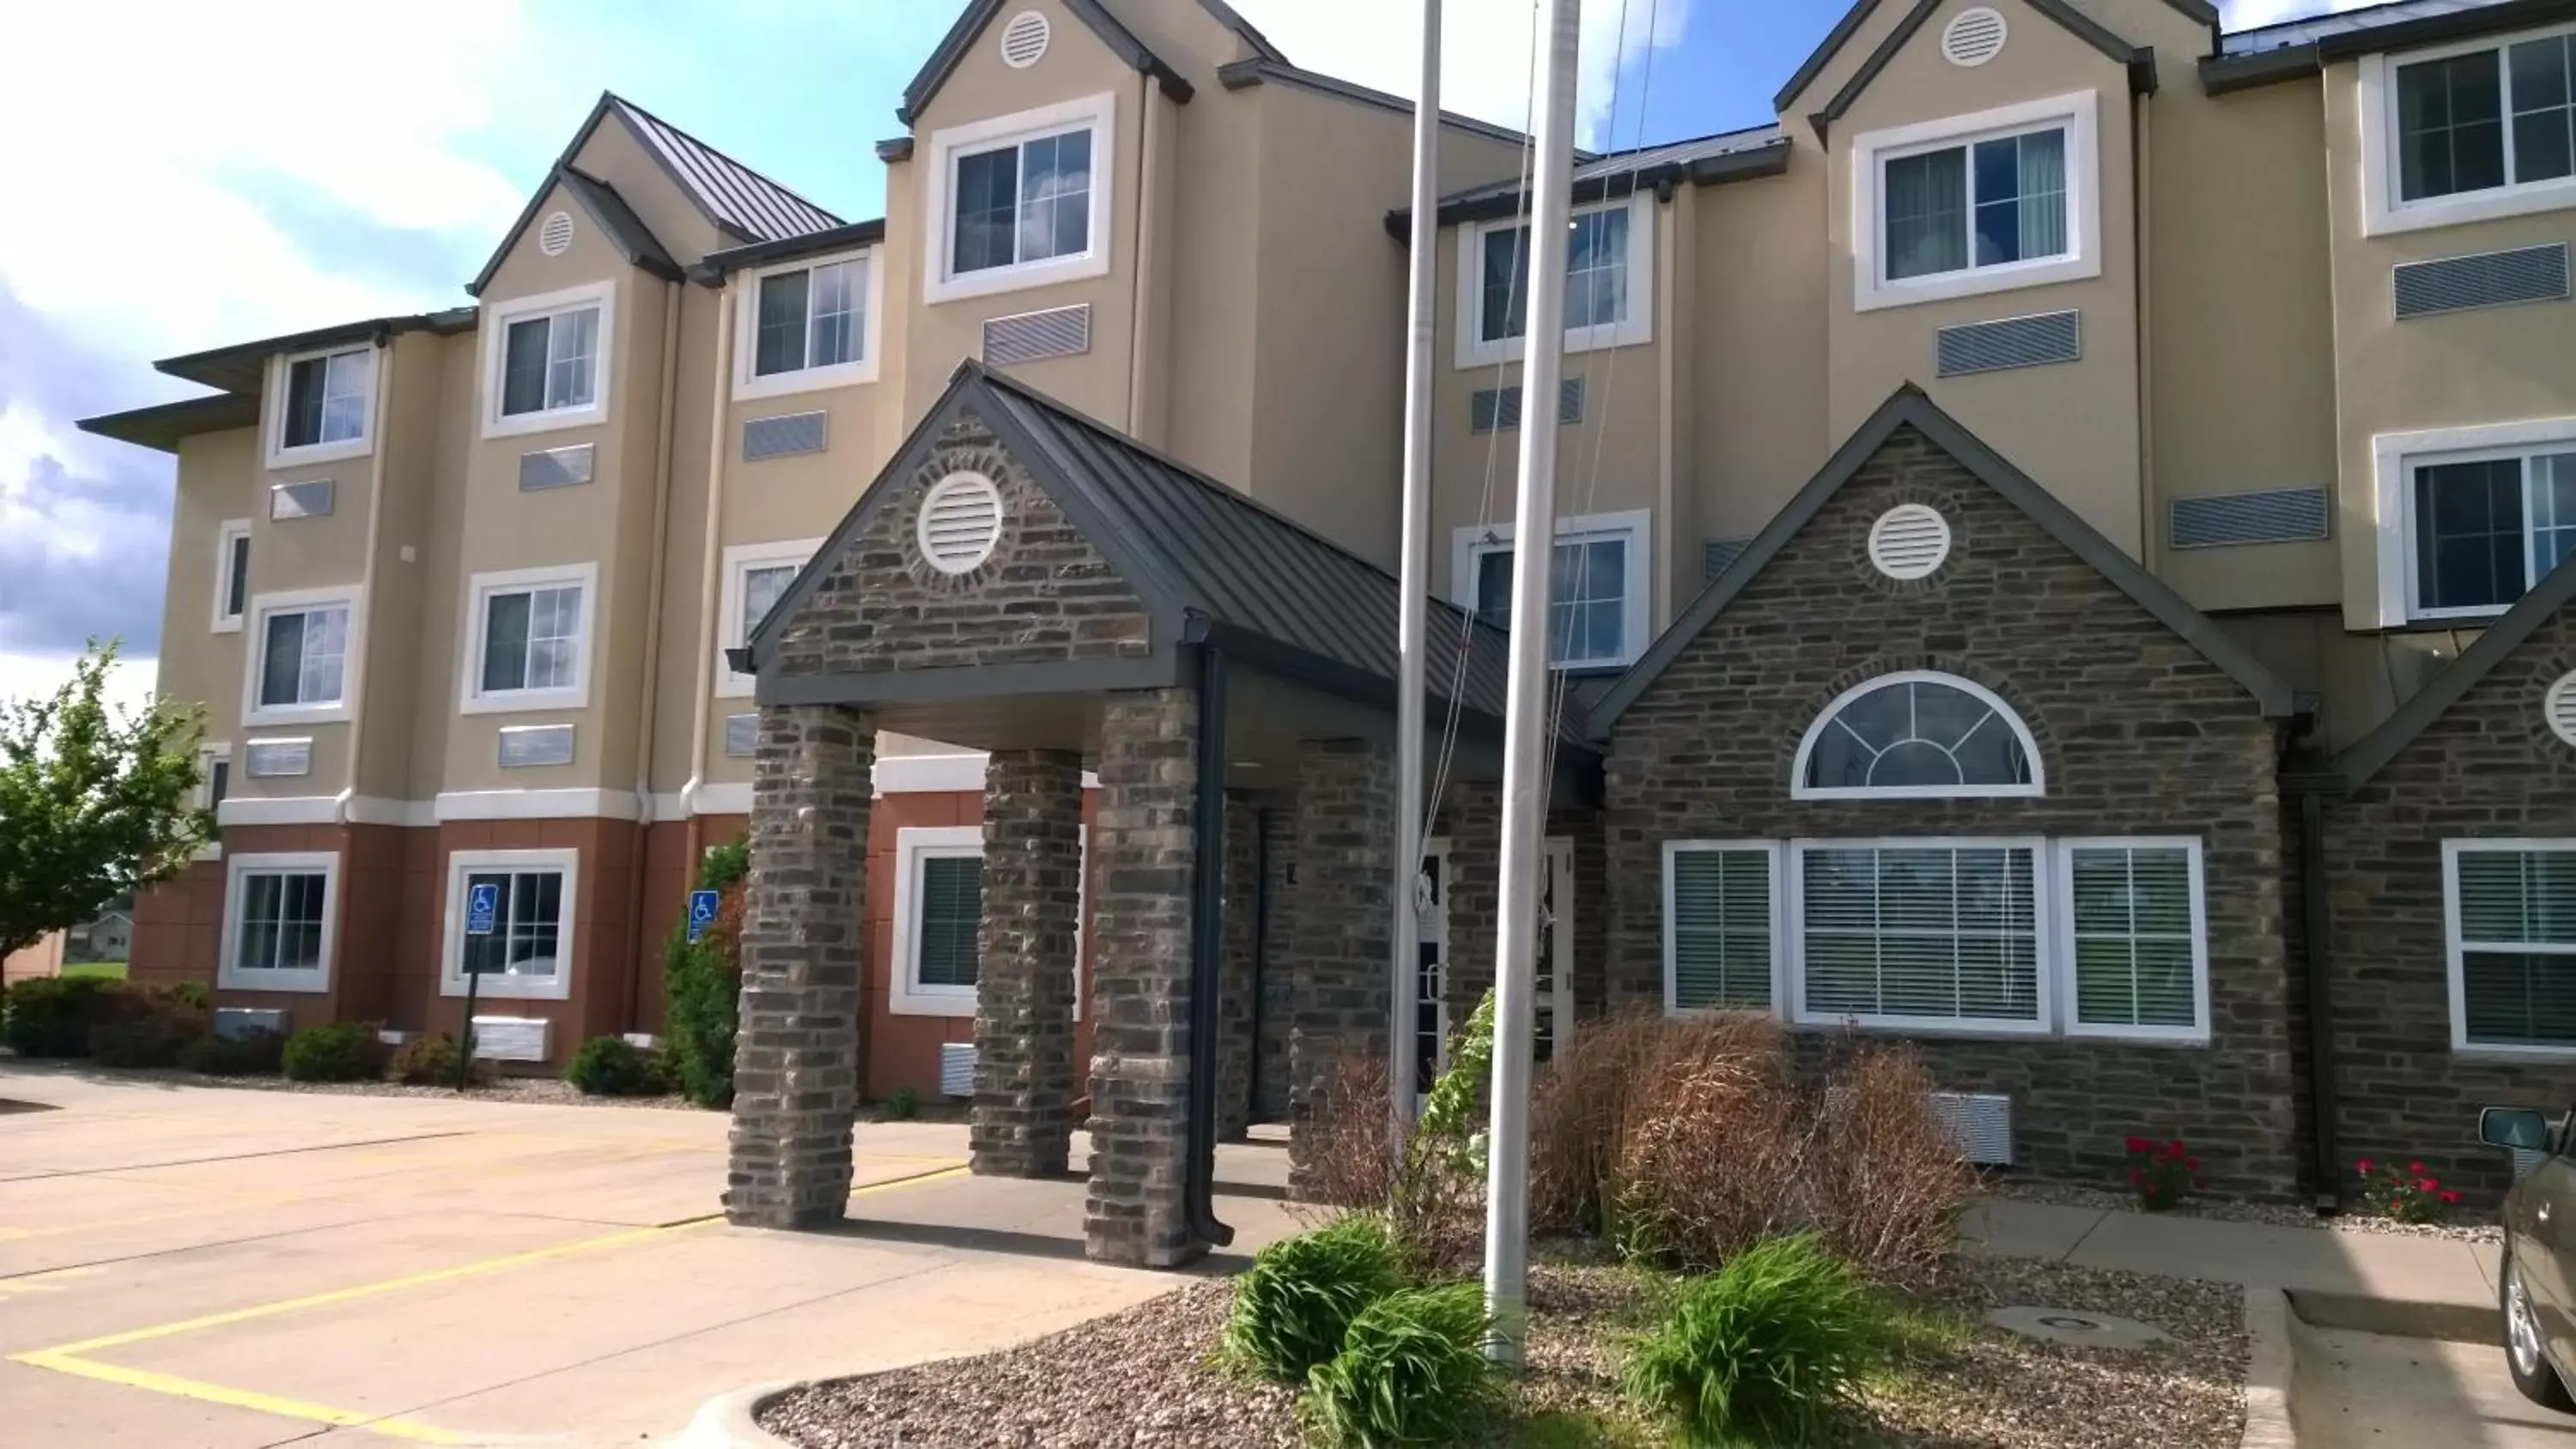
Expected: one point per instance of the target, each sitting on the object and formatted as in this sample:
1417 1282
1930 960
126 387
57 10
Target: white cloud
31 676
2253 14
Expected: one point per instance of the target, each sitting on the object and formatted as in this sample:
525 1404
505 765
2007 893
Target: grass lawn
95 968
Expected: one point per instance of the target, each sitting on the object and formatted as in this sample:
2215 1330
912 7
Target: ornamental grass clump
1411 1370
1765 1352
1293 1306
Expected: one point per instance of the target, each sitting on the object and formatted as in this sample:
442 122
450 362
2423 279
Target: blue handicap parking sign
702 912
482 908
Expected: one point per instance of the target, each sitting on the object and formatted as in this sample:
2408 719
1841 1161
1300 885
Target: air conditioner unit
644 1041
1979 1124
393 1038
957 1069
510 1038
234 1021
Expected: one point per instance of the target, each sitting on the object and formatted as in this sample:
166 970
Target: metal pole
465 1051
1414 613
1525 734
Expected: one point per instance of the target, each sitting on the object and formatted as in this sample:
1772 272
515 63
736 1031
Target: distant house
109 938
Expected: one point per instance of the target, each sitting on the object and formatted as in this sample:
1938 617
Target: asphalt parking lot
196 1267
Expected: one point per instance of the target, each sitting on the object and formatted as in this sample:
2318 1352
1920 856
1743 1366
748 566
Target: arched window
1916 734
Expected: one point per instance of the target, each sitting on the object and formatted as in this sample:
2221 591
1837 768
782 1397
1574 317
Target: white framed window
1609 282
279 921
302 663
1974 204
1916 734
232 574
214 775
1923 935
324 402
1721 925
1600 592
938 910
2133 947
546 360
531 639
527 955
2471 518
2469 132
2509 915
1021 200
808 324
756 576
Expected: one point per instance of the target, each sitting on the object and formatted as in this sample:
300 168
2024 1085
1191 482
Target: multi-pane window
2134 935
1901 933
531 639
1590 622
326 399
303 656
2513 944
2488 529
214 776
1596 275
2484 119
526 939
278 920
949 910
809 318
1915 735
550 363
1024 202
1719 926
762 587
232 573
1981 204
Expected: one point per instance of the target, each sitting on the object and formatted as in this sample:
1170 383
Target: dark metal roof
1725 156
1245 74
1909 407
625 230
162 425
738 198
953 46
2140 61
2199 11
2304 47
716 266
241 367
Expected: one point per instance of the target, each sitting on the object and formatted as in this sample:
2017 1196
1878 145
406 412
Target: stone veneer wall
1471 818
1343 918
1278 978
2139 733
1242 884
1027 944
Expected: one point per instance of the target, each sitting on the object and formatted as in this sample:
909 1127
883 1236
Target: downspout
710 559
1141 314
1207 954
2317 918
2142 156
344 805
655 572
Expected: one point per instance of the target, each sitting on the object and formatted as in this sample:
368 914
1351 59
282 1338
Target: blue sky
339 161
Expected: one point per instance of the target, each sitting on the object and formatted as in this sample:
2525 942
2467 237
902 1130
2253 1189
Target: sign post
482 914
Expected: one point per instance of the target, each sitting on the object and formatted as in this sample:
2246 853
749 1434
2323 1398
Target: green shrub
1411 1370
191 993
424 1061
135 1028
50 1016
1293 1305
341 1051
612 1066
900 1105
251 1054
1764 1352
702 984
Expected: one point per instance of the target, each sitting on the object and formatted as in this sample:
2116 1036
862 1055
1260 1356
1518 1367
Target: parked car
2538 1284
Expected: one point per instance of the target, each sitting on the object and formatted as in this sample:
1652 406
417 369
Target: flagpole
1413 613
1525 736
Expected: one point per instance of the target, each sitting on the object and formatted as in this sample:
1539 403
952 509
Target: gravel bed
1144 1377
2467 1225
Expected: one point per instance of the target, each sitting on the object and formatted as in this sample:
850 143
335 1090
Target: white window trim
279 369
1872 150
495 325
227 533
2394 458
451 959
2382 212
1793 945
2455 950
255 652
471 697
748 387
1098 114
2063 947
1799 789
209 753
1776 852
1467 545
1637 328
915 843
230 975
739 561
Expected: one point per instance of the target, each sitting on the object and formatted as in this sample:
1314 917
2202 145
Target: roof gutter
1771 159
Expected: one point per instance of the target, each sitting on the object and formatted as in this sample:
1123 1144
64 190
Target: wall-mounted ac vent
240 1021
742 736
2488 279
555 468
1035 336
2011 342
2274 515
1498 409
311 498
277 759
957 1069
528 746
1979 1124
510 1038
784 436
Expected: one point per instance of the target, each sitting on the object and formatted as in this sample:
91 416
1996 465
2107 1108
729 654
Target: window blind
1721 925
1946 933
2517 938
2133 936
952 909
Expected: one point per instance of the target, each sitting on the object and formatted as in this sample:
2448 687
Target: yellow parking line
158 1383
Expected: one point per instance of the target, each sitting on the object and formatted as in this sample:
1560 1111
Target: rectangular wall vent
526 746
239 1021
785 436
311 498
2009 343
555 468
1979 1124
1716 554
1033 336
957 1069
1498 409
2488 279
2274 515
277 759
742 736
510 1038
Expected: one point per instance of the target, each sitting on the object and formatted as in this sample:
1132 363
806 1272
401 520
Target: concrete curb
2270 1360
2453 1322
726 1421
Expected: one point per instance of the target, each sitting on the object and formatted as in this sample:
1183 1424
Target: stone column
797 1055
1345 868
1146 838
1234 1050
1026 951
1278 969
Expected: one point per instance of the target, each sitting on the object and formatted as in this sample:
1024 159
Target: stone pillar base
1027 950
1344 920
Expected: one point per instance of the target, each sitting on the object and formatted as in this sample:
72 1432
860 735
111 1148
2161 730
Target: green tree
95 802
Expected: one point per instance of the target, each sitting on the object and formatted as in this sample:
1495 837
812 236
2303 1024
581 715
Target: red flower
2364 1164
2450 1197
2416 1168
2136 1175
2172 1150
2136 1144
2425 1184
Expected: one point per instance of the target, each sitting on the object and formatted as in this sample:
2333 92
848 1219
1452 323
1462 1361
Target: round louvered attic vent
554 238
961 521
1024 40
1973 36
2559 705
1909 541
